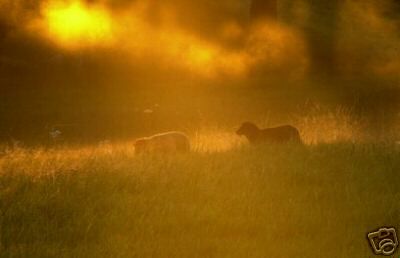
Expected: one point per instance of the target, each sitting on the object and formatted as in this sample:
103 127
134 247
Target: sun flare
76 24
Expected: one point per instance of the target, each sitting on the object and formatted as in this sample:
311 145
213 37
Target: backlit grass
218 201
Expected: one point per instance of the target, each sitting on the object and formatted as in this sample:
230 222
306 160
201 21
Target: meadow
224 199
80 80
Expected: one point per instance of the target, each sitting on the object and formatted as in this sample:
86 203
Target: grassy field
80 80
224 199
96 198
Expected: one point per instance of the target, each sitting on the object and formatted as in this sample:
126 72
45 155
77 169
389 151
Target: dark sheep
281 134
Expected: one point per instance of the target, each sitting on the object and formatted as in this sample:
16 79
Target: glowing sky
75 24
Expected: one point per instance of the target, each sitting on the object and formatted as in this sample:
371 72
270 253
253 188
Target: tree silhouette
263 10
320 34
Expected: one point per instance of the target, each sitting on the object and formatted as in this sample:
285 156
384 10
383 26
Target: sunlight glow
173 46
76 24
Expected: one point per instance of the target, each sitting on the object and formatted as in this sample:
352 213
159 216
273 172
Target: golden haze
75 25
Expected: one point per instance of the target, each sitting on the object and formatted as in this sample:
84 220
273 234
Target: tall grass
225 199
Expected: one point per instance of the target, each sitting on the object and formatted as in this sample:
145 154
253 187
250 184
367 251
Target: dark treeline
29 55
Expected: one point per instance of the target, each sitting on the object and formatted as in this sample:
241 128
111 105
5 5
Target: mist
207 39
199 128
92 55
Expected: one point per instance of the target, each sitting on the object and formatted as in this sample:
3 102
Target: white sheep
170 142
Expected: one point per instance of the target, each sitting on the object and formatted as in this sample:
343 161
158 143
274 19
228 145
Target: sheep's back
170 142
284 133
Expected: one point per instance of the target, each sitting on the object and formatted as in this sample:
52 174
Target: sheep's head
247 129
